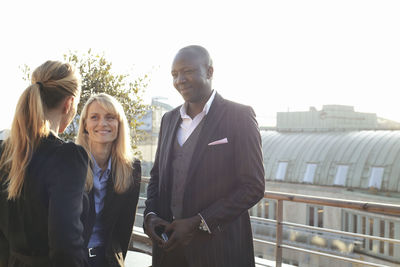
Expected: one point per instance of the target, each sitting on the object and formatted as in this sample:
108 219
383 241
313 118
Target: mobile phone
164 237
160 232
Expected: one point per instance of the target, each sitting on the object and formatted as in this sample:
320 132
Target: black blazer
43 227
118 216
223 182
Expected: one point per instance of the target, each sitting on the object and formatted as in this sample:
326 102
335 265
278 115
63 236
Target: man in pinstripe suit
207 173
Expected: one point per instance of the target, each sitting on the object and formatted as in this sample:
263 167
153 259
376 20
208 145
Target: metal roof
361 151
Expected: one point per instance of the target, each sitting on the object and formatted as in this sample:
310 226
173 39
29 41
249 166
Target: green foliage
26 71
97 77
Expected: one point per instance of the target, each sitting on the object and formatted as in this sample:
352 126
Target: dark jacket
223 182
118 216
43 226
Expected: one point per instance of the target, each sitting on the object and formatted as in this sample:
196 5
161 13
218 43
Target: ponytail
29 125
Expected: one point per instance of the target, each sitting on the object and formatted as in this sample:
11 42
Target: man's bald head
192 74
199 51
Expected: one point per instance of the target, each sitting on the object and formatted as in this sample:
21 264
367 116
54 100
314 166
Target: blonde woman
113 183
42 178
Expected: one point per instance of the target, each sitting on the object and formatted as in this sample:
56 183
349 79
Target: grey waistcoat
181 158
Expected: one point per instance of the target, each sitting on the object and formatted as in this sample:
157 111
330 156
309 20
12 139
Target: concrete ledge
140 249
140 242
137 259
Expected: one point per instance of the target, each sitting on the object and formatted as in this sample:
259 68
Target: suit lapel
91 218
170 137
212 120
109 206
92 209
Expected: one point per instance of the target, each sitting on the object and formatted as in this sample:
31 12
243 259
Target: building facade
336 153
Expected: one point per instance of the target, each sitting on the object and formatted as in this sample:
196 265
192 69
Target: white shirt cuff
203 225
149 214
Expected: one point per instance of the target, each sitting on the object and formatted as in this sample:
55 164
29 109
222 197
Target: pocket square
219 142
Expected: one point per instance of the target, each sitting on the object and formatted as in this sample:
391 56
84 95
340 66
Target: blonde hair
121 151
52 82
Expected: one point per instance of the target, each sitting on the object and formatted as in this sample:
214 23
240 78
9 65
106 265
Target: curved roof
372 157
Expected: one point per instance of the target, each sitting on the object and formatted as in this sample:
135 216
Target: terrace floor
137 259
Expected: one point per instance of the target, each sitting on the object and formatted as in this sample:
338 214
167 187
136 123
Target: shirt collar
97 170
205 109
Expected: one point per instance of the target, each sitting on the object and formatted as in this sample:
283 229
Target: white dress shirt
188 124
186 128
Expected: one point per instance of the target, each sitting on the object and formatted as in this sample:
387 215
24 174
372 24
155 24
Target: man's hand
181 232
152 223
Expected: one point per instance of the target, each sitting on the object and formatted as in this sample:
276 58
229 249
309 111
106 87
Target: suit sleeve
126 219
249 171
65 188
4 245
4 250
152 189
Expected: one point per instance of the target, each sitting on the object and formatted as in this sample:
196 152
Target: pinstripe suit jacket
223 182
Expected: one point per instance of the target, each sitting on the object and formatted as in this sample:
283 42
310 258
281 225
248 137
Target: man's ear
210 72
68 104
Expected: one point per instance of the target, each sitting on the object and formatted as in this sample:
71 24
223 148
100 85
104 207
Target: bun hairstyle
52 82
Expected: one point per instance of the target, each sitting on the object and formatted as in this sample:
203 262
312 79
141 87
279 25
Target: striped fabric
223 182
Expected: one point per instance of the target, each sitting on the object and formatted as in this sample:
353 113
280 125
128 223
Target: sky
273 55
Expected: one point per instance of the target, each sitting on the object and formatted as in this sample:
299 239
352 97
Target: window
281 171
364 227
391 235
315 215
381 234
341 175
260 208
376 177
371 232
270 208
265 209
310 173
311 216
320 212
354 223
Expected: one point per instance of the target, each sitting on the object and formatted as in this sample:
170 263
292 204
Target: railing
389 209
280 197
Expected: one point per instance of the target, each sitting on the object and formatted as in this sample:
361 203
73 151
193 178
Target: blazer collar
212 120
108 202
206 107
109 198
171 130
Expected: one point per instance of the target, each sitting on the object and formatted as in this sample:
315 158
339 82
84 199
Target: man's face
191 76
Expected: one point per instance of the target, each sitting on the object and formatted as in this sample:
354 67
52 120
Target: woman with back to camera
113 183
42 178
